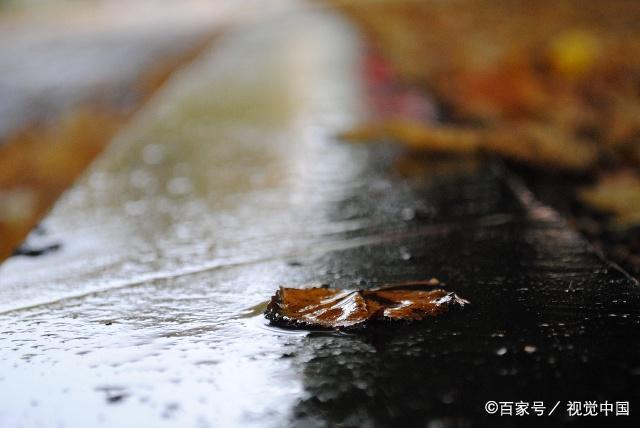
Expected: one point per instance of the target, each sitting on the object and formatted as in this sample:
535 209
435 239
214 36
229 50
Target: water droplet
153 154
405 254
134 208
501 351
179 186
408 214
530 349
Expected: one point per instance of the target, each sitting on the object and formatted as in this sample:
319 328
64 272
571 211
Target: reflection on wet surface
230 185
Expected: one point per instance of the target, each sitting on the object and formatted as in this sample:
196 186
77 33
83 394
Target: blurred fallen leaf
531 143
617 194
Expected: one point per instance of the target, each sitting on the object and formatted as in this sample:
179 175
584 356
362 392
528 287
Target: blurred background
552 88
72 73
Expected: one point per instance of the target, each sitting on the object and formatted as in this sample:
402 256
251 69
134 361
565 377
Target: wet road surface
230 184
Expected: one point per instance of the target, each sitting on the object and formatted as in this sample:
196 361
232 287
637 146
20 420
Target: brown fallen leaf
326 308
617 194
530 143
418 136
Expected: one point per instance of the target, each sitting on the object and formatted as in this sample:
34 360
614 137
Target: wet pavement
230 184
